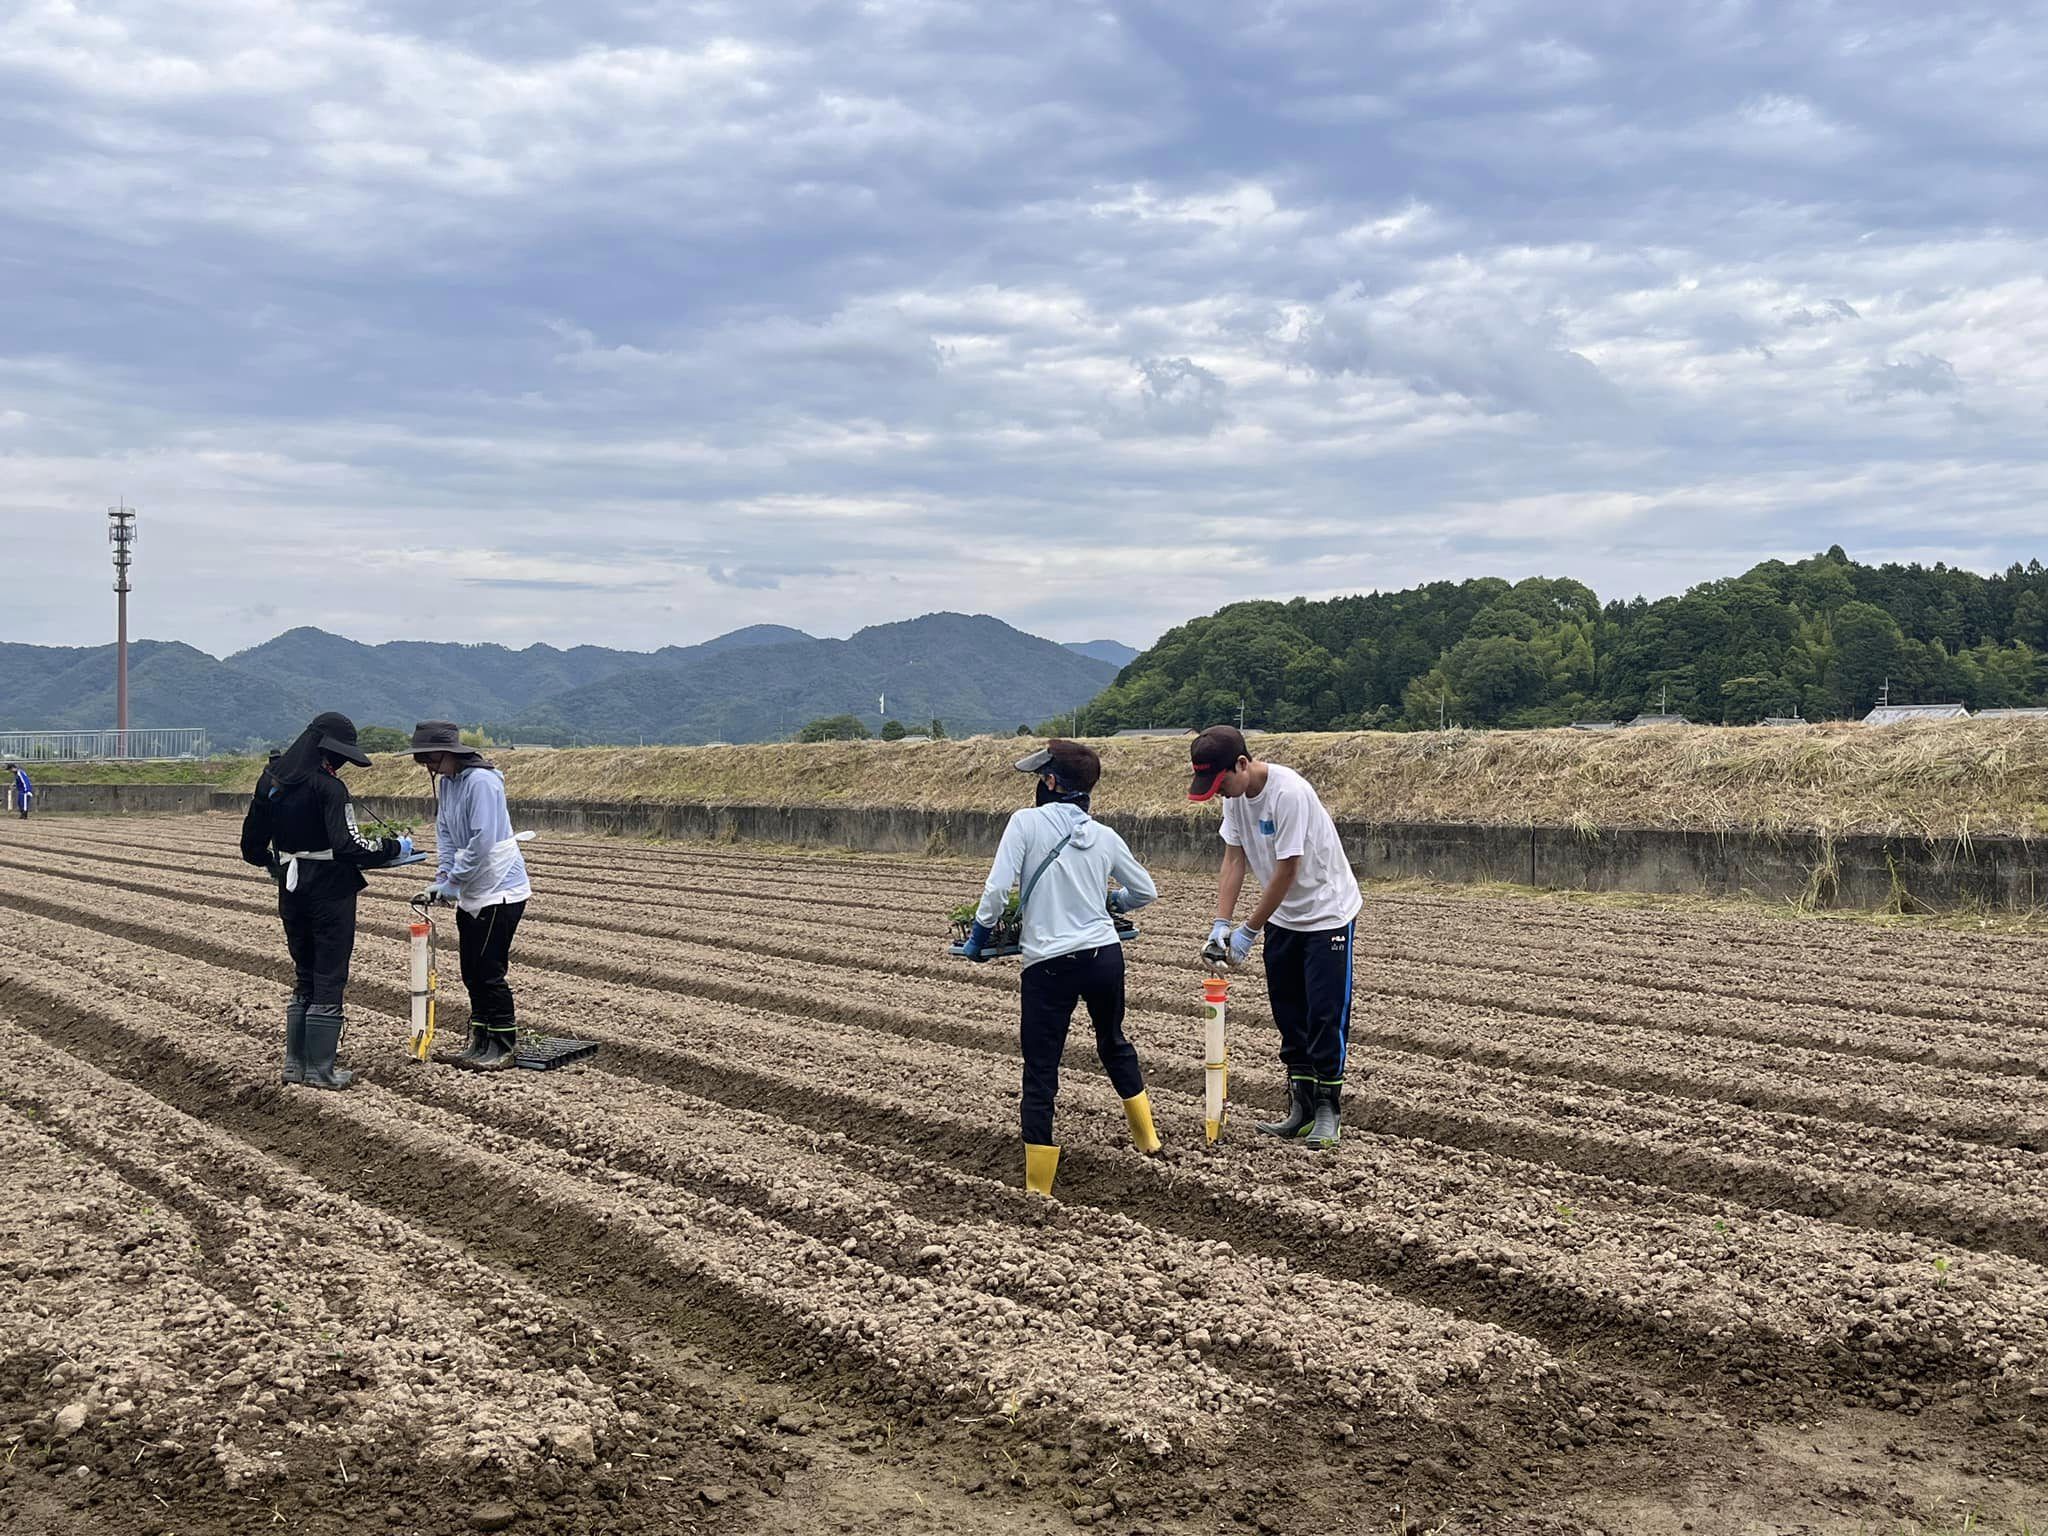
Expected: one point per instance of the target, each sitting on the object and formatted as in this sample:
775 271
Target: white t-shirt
1287 821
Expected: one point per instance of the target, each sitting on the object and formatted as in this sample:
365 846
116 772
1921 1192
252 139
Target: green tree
892 730
1746 700
1868 649
936 730
384 738
834 728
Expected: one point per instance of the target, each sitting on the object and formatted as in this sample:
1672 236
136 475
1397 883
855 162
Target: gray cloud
1176 397
1833 312
1917 373
1471 345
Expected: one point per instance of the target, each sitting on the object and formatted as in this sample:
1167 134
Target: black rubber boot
1301 1114
1329 1119
471 1053
323 1041
295 1040
500 1050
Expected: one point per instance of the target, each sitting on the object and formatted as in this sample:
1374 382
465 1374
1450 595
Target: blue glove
440 890
1241 942
1116 901
1219 931
404 846
979 937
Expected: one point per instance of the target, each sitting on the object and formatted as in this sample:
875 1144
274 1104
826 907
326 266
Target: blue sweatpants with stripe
1308 979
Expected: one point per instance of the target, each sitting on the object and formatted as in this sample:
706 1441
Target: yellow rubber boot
1039 1165
1138 1110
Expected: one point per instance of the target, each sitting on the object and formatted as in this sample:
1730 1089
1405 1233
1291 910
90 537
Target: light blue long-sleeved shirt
473 842
1066 911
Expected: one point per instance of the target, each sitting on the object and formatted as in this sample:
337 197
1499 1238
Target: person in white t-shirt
1275 827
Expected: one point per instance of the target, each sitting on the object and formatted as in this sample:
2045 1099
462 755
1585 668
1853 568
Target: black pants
485 941
1308 979
1051 989
320 932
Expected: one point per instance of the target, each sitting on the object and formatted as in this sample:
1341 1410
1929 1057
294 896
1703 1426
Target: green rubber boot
1301 1114
323 1043
295 1040
501 1049
1328 1127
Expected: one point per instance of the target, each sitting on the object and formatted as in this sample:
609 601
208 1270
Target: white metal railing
148 746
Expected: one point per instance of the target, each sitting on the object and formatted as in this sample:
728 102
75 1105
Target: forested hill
1818 638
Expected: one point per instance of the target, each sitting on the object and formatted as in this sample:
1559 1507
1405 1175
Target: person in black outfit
301 826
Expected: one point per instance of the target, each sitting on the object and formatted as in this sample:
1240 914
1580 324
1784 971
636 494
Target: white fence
152 746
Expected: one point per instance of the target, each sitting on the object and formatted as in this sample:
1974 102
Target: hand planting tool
1215 1056
426 982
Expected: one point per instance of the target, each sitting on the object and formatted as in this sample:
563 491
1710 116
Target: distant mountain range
1115 652
755 684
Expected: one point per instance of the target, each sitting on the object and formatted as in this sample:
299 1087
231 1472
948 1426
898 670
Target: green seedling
1565 1213
1941 1269
1008 927
1721 1225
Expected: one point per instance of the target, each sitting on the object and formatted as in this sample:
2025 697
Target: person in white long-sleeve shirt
481 871
1062 861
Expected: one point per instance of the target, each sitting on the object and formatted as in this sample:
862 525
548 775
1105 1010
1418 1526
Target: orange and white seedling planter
1215 1057
425 984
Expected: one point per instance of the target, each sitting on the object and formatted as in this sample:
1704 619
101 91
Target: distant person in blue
24 792
481 871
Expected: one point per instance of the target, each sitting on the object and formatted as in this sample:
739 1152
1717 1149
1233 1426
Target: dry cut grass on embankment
1946 780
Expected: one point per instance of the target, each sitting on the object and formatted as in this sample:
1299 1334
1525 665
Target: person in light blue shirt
24 791
1063 862
481 872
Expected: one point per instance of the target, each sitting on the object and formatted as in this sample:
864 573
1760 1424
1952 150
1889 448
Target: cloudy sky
586 320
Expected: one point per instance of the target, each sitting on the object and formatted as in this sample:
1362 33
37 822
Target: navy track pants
1308 979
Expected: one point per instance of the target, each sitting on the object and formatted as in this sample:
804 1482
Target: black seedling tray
993 952
546 1055
1124 932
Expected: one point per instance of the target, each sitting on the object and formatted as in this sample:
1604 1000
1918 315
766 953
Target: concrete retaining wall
123 799
2000 874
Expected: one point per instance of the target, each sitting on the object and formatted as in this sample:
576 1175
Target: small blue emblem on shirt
1267 828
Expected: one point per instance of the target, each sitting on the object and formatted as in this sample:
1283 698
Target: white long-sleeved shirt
1066 911
473 843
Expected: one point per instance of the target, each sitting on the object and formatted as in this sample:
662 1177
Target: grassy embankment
211 770
1950 781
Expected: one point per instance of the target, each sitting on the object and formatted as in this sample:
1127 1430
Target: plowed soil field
1645 1220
